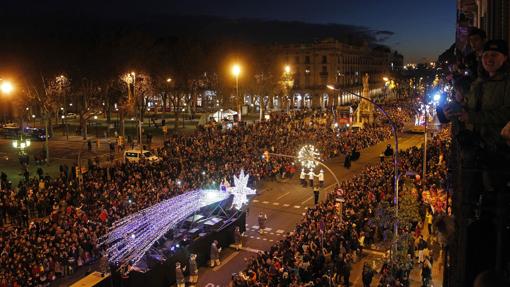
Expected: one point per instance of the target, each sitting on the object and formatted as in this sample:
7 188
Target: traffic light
265 155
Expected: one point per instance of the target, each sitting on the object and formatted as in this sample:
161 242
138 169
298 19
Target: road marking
230 257
280 231
258 238
250 249
251 236
282 195
310 198
265 202
255 227
265 239
268 229
271 240
286 205
276 203
297 206
271 233
255 200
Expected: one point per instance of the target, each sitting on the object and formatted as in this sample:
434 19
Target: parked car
135 155
71 116
37 134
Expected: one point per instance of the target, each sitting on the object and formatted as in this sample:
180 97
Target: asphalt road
285 203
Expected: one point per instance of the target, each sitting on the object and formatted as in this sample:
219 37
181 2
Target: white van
135 155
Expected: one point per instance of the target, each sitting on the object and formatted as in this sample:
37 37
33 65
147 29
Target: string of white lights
132 236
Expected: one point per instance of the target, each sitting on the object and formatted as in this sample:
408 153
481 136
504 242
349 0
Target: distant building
331 62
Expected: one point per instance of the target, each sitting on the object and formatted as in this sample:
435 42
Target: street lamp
21 144
395 159
6 87
95 122
287 81
236 71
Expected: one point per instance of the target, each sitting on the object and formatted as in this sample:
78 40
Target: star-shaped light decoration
240 190
308 156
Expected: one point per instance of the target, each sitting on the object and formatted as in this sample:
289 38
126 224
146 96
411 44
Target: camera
454 108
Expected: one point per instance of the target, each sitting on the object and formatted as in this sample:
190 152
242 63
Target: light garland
308 156
132 236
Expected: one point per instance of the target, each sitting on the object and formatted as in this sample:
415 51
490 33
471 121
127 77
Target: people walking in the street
193 270
179 275
347 267
302 177
347 161
311 177
428 220
388 151
316 194
237 238
367 275
321 178
426 272
215 254
262 222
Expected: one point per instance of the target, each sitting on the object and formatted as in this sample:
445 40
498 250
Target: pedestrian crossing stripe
286 205
255 200
265 239
276 203
280 231
297 206
255 227
268 229
265 202
271 240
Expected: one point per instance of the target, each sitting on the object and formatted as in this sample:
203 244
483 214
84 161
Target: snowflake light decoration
241 190
308 156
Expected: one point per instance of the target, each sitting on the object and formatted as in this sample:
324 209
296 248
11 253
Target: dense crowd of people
323 247
50 226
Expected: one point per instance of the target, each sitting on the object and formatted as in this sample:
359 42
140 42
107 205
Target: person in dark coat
367 275
237 238
347 161
316 194
193 270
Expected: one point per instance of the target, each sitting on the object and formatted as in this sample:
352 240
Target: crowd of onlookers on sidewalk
50 225
479 111
324 246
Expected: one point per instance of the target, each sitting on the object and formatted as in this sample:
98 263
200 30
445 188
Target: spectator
488 103
215 254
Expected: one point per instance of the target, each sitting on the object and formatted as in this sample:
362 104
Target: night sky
422 29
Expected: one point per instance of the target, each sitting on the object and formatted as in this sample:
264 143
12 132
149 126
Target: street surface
285 203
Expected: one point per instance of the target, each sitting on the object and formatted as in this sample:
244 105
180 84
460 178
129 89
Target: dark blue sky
423 28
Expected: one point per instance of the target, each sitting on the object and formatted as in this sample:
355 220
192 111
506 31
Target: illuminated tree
408 211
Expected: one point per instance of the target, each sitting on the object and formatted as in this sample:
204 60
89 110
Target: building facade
331 62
